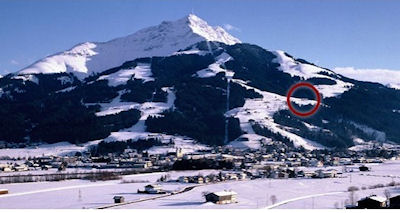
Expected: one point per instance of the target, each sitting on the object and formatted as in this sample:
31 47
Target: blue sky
340 33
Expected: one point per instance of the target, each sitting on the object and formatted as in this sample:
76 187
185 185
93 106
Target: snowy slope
161 40
28 77
307 71
57 149
261 110
178 38
138 131
248 141
141 71
215 68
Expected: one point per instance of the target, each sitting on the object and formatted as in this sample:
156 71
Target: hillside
194 81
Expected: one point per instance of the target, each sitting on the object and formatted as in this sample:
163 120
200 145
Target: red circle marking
291 91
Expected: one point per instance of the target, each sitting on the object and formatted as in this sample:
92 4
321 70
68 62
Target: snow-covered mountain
162 40
188 82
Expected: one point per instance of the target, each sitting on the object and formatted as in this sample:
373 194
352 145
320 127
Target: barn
3 191
119 199
395 202
222 197
372 202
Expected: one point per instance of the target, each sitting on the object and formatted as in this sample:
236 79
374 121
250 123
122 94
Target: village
272 161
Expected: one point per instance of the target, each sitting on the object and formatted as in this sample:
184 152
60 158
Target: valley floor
289 193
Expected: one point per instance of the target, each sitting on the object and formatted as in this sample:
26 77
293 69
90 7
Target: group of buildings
377 202
270 161
277 160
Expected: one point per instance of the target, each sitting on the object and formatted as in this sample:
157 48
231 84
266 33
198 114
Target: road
302 198
186 189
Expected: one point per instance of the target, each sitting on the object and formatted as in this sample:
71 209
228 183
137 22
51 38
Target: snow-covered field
82 193
290 193
55 170
257 193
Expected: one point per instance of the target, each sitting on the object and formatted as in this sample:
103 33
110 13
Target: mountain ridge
161 40
204 92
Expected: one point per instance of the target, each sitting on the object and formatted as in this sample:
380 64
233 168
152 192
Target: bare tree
273 199
352 198
387 195
79 195
353 188
346 202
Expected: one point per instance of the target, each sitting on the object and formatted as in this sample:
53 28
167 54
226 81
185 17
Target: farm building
372 202
152 189
222 197
198 179
394 202
119 199
364 168
183 179
280 175
3 191
325 173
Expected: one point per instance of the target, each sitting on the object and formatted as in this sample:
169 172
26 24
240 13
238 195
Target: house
4 167
372 202
300 173
213 178
142 165
294 164
152 189
315 163
242 176
183 179
394 202
325 173
119 199
232 176
46 167
3 191
21 168
345 161
179 153
309 174
198 179
222 197
280 175
7 169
